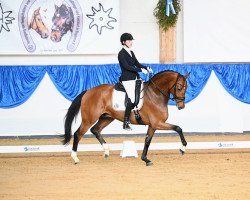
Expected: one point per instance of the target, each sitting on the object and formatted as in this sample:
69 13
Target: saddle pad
118 101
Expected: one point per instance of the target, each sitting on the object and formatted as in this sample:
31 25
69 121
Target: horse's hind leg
75 145
77 137
103 121
148 139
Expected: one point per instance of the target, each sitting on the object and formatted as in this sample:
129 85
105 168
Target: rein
174 98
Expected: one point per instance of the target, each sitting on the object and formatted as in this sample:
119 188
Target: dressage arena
63 55
199 174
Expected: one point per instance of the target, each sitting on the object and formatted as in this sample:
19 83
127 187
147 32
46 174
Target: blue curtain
17 83
235 78
72 80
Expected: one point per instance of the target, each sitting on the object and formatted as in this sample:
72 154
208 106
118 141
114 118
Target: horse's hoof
106 150
76 161
182 152
149 163
74 157
106 156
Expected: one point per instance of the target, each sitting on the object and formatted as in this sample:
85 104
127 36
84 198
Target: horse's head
171 83
178 90
63 21
37 23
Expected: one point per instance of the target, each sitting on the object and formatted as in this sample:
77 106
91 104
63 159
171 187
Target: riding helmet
126 36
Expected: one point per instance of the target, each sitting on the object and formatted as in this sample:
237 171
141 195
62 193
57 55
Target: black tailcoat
129 65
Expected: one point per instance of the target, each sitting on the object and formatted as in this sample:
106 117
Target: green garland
163 20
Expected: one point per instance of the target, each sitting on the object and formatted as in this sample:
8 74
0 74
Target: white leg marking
74 156
183 148
106 149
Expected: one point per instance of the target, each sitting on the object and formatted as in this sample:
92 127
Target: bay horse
63 21
97 111
37 24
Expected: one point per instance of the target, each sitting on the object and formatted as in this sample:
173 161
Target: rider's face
129 43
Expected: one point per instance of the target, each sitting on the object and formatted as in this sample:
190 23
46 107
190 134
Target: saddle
120 99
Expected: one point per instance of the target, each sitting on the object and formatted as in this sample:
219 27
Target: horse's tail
71 114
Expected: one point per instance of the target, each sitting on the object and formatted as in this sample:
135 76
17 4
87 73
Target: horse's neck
160 86
165 81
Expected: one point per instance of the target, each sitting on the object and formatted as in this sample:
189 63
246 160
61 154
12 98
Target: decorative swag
17 83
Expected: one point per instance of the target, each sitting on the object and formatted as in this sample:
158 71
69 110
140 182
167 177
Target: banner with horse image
59 27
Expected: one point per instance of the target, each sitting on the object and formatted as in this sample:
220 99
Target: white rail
119 146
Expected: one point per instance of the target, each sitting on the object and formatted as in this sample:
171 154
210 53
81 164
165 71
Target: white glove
144 71
150 70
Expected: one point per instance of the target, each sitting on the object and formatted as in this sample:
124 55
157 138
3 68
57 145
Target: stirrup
126 126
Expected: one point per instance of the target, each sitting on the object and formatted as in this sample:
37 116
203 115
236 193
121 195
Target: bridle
175 97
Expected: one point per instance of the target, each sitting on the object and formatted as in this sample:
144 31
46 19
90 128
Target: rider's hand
150 70
144 71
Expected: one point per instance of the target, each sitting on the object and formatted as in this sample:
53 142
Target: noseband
175 97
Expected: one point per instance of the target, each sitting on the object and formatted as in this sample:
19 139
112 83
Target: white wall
216 31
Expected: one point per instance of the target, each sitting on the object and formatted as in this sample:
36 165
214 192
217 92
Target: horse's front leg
148 139
166 126
183 141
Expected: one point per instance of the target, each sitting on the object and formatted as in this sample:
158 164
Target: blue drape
235 78
71 80
17 83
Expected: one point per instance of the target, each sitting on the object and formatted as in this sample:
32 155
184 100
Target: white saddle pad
118 100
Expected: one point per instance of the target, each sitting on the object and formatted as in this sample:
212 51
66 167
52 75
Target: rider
130 68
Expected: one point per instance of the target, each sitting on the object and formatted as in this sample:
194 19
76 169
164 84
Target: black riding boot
126 122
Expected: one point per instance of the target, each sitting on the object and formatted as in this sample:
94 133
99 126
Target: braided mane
159 73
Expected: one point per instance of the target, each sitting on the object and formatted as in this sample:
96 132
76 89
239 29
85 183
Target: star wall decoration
5 19
101 18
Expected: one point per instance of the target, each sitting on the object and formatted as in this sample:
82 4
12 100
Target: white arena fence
119 146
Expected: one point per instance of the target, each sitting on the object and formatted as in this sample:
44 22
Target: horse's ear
36 12
187 75
56 7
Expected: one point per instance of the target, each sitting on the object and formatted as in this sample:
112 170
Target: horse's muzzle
44 35
55 36
180 106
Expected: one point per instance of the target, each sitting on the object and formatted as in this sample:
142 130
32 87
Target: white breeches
130 89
